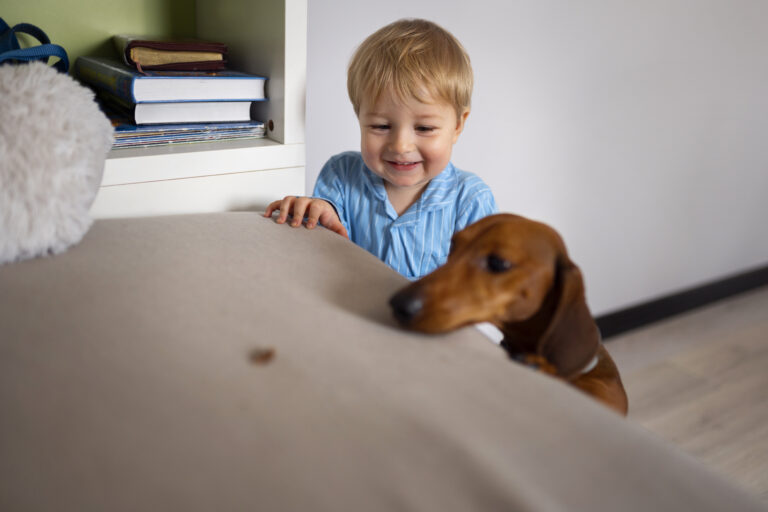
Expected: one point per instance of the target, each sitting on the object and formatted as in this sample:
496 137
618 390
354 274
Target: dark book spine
105 78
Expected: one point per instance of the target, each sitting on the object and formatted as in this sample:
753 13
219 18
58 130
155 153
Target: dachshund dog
515 273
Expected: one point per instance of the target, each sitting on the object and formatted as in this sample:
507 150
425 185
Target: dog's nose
406 305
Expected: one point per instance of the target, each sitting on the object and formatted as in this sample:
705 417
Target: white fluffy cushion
53 145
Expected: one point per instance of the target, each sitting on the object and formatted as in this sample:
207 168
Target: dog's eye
497 264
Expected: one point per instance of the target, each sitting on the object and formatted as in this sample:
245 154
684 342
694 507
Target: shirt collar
440 190
375 184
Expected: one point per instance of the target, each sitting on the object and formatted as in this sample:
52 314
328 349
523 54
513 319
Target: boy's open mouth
403 166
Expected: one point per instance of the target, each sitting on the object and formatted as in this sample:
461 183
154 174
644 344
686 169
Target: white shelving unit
265 37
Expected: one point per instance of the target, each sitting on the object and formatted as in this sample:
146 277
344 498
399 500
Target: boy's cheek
369 159
371 142
370 152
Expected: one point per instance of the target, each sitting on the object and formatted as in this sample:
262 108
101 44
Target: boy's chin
416 177
405 184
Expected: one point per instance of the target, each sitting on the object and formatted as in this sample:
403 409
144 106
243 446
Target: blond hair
414 59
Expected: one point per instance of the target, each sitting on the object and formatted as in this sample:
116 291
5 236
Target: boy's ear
460 124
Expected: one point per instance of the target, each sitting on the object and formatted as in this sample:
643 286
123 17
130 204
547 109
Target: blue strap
11 52
41 52
27 28
7 37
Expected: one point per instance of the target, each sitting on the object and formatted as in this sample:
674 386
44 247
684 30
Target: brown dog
515 273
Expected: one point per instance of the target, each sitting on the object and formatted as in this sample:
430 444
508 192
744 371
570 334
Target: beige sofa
128 382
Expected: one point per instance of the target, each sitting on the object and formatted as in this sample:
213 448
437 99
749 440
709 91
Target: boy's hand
316 210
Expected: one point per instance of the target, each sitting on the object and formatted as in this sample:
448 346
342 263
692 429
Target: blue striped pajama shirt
416 242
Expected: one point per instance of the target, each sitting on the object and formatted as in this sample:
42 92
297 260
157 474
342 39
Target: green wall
85 27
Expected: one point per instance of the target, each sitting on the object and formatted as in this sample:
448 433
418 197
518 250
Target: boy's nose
401 142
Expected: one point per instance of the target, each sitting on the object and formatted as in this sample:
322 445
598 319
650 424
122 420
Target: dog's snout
406 305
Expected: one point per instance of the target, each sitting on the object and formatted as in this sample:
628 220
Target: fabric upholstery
126 384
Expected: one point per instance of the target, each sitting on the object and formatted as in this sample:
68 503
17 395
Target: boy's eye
380 126
425 129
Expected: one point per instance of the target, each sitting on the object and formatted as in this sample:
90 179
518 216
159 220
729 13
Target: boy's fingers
331 221
285 208
274 205
340 229
316 209
299 207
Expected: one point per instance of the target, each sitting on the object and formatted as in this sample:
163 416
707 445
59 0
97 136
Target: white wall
638 129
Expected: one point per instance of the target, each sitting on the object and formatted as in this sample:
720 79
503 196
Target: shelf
266 38
139 165
238 191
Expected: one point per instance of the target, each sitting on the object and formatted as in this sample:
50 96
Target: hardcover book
186 55
177 111
167 86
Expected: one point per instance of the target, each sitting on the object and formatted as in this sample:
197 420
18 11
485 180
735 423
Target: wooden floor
700 380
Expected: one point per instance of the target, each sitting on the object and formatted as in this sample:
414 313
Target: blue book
131 86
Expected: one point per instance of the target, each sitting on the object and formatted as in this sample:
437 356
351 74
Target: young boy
400 197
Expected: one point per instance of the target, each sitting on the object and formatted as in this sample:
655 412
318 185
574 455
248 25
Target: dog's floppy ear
571 339
474 229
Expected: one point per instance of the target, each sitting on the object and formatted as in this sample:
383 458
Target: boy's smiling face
407 142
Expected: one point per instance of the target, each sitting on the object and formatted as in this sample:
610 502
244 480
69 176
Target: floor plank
700 380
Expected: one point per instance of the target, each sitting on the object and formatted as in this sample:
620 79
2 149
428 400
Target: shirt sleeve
478 203
330 187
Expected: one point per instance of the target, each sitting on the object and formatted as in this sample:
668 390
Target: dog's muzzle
406 305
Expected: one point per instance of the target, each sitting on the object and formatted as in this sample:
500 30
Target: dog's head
515 273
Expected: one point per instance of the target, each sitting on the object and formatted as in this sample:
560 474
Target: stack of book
148 94
129 135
